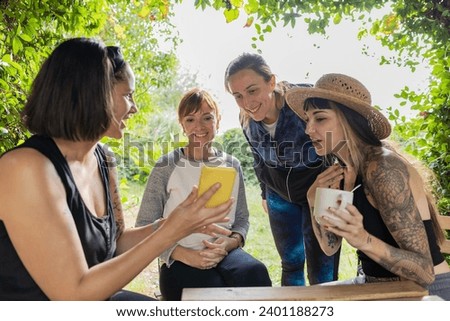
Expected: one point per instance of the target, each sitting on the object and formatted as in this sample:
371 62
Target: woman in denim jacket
286 165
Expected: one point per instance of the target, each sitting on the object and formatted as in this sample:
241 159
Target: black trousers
237 269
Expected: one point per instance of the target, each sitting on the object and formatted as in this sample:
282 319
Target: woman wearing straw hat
286 165
392 222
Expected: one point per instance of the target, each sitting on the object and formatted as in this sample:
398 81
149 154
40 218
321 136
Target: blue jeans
441 286
237 269
295 242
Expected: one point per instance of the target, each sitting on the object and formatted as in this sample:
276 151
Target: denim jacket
287 163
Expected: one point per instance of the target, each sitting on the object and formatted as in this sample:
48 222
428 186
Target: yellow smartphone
209 176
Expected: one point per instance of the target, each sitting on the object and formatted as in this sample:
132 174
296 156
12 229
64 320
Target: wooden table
402 290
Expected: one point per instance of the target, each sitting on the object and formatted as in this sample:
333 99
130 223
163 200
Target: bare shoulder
23 161
26 173
20 154
383 162
386 170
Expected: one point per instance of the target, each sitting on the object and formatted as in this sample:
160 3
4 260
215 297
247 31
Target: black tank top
97 235
374 224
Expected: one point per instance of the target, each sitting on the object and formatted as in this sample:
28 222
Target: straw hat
345 90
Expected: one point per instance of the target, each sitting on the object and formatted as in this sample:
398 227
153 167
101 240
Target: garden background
412 33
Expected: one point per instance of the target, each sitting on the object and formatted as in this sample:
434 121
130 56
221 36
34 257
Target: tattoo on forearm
408 267
331 238
388 182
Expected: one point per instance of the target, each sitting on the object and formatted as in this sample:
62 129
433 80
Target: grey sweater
171 181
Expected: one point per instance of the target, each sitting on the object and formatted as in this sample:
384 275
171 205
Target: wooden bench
402 290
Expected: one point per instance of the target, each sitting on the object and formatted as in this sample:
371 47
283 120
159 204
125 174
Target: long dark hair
359 137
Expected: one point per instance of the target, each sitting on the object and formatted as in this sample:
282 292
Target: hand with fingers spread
192 215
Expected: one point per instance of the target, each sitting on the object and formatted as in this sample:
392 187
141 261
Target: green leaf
237 3
268 29
231 15
144 12
25 37
4 85
337 18
251 7
16 45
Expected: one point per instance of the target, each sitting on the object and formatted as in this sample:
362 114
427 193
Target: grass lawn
259 243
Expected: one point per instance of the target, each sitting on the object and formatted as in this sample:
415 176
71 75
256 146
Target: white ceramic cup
329 197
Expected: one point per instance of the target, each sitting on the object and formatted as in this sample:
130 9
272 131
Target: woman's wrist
239 239
157 224
367 243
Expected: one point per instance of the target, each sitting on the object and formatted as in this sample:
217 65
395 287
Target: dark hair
71 97
356 121
248 61
118 63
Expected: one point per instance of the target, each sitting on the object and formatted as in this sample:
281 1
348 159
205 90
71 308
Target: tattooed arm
115 195
388 180
329 242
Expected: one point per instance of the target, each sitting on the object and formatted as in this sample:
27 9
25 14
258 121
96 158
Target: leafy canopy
414 30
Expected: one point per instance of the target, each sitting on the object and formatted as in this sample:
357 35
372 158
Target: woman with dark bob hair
393 220
62 232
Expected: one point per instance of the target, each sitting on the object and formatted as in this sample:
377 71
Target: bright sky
209 44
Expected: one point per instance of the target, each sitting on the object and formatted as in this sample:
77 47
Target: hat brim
296 98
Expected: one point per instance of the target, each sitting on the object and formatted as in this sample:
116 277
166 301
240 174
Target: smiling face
325 131
254 95
200 127
124 105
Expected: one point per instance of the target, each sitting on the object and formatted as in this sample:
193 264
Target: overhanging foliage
414 30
